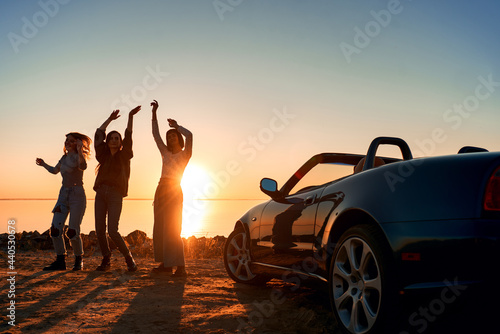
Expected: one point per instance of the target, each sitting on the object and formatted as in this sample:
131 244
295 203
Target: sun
193 182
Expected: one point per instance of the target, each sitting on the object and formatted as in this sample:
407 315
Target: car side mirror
269 187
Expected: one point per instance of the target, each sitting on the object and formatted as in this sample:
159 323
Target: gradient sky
263 85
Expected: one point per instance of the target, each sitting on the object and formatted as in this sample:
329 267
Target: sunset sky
263 85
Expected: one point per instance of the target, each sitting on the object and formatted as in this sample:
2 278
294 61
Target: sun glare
194 209
193 182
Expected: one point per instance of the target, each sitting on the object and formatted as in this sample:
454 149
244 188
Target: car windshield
320 174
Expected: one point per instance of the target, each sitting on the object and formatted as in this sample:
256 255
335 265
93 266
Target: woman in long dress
168 245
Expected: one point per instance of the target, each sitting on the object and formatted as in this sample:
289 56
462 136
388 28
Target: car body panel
461 250
287 230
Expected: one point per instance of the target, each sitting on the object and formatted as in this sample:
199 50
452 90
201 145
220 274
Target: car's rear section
491 199
456 238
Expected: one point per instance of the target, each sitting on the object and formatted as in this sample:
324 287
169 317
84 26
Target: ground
207 301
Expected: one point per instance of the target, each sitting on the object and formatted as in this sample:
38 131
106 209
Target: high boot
78 263
105 264
58 264
131 266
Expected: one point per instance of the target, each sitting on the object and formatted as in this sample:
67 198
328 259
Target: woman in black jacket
111 185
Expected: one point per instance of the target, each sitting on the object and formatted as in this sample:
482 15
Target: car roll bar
372 150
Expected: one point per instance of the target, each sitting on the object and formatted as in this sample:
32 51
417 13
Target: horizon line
136 199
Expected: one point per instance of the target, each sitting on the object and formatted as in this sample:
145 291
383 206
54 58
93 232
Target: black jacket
114 170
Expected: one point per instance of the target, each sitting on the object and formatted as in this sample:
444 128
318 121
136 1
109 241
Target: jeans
72 201
108 201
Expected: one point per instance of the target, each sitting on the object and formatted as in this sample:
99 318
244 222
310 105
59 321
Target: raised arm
127 139
188 146
114 115
100 135
131 117
156 131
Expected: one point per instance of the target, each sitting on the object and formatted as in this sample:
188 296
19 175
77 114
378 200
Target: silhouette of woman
168 245
111 185
71 200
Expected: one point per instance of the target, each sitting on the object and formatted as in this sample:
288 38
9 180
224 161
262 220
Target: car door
287 228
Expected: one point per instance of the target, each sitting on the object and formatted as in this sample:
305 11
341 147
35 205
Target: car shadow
300 305
473 310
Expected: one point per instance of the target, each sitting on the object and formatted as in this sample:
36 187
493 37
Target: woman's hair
86 143
108 136
179 136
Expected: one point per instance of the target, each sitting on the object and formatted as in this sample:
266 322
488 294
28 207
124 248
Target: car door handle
309 200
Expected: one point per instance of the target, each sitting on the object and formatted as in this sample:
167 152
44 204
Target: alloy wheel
357 285
237 256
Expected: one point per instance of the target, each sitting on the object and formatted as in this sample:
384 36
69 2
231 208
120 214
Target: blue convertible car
385 227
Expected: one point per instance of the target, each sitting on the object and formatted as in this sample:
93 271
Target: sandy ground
207 301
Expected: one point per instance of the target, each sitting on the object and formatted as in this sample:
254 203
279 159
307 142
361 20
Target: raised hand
155 105
39 162
172 123
134 111
114 115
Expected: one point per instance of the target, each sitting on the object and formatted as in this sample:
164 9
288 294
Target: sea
201 217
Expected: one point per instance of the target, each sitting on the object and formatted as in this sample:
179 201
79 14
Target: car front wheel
237 258
359 289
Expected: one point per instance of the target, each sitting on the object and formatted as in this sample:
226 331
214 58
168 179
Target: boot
78 263
131 266
105 264
58 264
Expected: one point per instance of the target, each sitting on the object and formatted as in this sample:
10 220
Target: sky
262 85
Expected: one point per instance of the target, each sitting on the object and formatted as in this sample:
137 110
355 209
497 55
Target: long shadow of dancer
156 308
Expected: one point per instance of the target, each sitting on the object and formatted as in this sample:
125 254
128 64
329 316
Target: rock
90 244
138 242
136 238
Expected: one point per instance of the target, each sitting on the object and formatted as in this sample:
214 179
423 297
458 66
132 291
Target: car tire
237 258
359 282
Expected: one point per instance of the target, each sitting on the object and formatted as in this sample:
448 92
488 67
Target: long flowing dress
167 241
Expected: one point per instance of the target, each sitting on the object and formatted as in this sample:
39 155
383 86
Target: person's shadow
156 307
